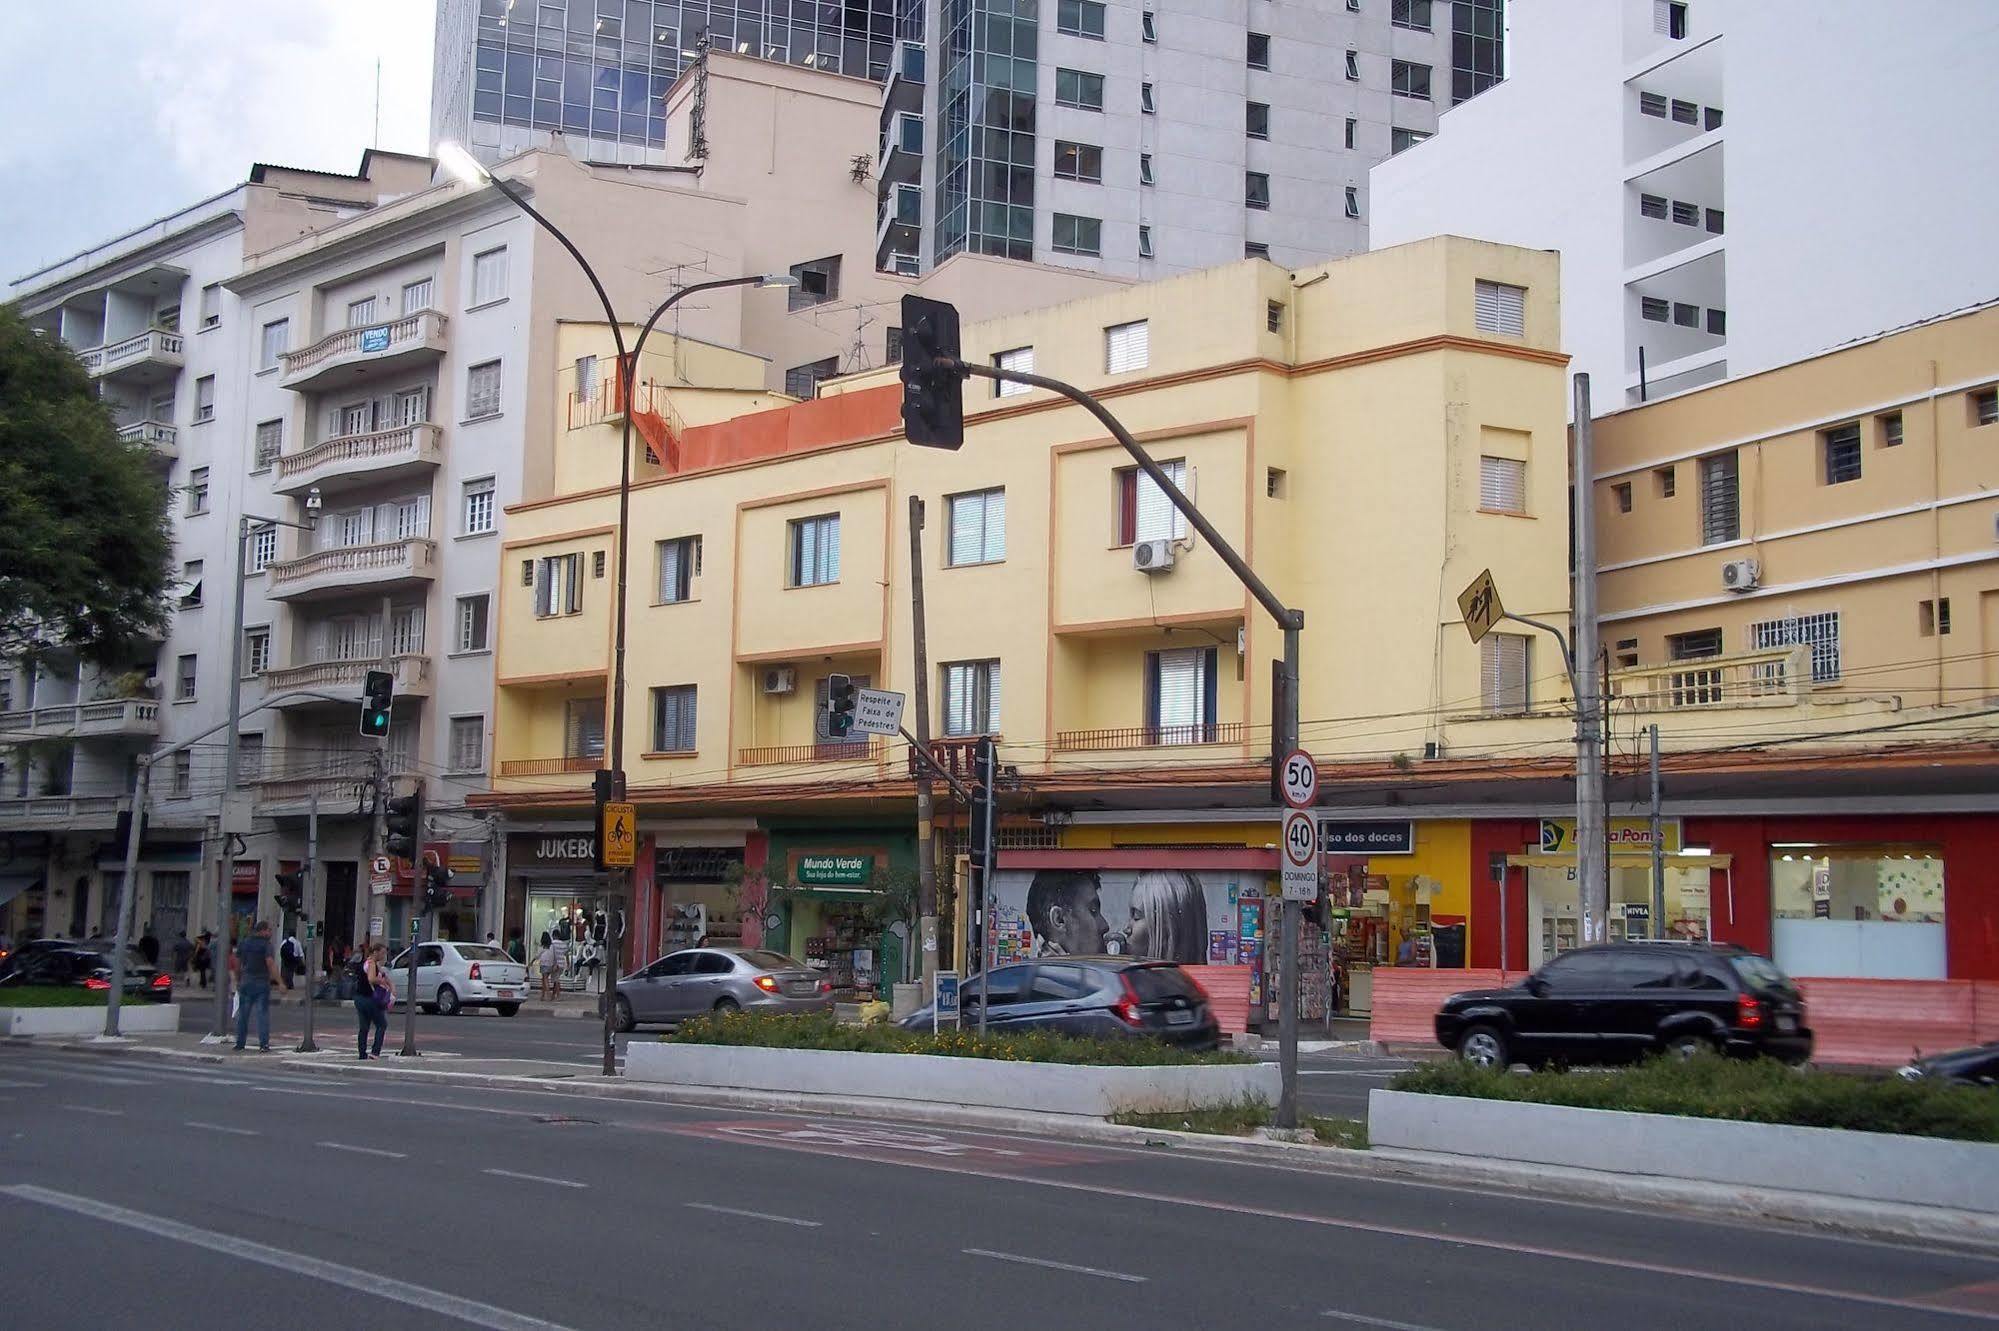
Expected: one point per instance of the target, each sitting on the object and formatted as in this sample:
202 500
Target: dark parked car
1620 1002
1108 997
86 964
1977 1066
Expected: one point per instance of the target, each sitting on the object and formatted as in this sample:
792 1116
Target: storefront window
1874 911
1555 904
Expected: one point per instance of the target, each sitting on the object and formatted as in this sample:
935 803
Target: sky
120 111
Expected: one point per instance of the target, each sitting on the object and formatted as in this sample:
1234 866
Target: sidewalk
583 1005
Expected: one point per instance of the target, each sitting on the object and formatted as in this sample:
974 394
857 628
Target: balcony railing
114 717
411 669
774 755
550 766
156 346
393 340
78 812
953 754
1148 737
1777 678
352 565
157 434
366 456
289 778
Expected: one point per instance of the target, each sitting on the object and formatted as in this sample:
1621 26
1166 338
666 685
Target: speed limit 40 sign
1298 852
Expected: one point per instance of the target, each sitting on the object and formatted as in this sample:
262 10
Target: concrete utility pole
1658 847
308 911
926 844
1592 863
127 898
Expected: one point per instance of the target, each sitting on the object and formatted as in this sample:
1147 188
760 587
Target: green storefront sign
835 870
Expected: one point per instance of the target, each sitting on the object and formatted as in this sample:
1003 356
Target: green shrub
820 1031
1745 1090
1236 1120
51 995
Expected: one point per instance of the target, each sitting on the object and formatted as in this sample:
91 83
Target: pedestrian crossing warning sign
620 836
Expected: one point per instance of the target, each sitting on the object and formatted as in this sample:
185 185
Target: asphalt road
173 1195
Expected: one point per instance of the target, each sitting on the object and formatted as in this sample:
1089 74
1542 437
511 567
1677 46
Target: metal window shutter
1020 358
1179 693
1720 499
1500 308
1662 17
669 570
1502 485
992 673
995 525
1158 520
829 548
1503 672
1127 347
968 528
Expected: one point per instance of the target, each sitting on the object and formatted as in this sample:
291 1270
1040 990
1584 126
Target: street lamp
466 168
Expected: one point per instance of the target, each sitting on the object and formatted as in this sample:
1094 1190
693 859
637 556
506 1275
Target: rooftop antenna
378 102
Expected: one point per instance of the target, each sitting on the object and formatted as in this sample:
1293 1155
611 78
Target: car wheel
726 1004
508 1009
624 1020
447 1000
1483 1047
1684 1047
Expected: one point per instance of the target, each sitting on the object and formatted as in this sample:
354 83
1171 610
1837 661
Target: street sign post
619 835
1299 781
945 1011
877 712
1479 604
1299 853
381 876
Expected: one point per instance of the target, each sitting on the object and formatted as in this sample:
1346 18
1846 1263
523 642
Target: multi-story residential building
1147 139
1676 153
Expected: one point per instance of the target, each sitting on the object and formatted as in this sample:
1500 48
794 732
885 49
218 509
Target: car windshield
1153 983
481 952
771 961
1760 974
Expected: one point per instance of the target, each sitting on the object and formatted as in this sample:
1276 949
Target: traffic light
985 771
840 698
378 693
436 885
405 825
933 396
290 895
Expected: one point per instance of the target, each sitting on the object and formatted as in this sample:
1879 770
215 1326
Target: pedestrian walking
183 953
149 947
255 966
204 957
516 947
291 961
551 968
373 997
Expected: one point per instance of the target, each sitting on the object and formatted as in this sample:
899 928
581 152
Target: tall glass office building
988 56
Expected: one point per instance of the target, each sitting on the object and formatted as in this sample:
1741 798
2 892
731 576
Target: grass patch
49 995
1741 1090
1350 1133
1237 1120
820 1031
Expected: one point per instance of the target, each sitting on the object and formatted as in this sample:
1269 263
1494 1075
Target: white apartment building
1149 137
1732 184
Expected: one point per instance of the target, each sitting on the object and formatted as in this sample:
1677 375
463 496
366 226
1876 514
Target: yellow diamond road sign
1479 603
621 836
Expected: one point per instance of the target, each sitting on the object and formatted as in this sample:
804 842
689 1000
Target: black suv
1105 997
1620 1002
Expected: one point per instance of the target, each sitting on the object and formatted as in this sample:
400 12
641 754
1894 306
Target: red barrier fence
1407 998
1228 995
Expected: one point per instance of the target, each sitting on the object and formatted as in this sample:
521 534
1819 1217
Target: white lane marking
436 1301
97 1078
534 1178
753 1215
222 1127
1053 1266
93 1109
1361 1319
362 1150
24 1085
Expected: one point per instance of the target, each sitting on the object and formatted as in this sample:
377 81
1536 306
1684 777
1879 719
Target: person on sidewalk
290 962
149 947
372 997
204 957
255 967
516 948
183 953
551 969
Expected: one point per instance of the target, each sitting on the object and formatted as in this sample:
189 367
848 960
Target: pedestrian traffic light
405 825
436 885
984 810
290 895
933 395
840 698
378 694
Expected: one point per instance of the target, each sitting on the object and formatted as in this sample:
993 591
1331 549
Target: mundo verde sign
835 870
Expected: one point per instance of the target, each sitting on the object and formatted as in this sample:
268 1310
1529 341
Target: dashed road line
1125 1276
534 1178
222 1127
752 1215
363 1150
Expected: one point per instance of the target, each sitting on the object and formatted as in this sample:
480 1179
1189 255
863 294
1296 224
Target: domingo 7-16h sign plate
1298 853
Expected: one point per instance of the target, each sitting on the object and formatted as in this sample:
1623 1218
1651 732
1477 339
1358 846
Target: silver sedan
719 979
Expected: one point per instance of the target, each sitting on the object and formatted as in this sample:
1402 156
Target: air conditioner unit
780 679
1740 575
1152 556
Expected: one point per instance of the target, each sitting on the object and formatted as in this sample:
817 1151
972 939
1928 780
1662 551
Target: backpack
357 972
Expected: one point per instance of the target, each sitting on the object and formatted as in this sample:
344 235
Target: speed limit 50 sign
1298 853
1298 781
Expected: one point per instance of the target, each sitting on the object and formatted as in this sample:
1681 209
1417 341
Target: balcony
782 755
118 718
145 358
1150 737
386 566
1777 678
551 766
953 754
162 438
60 812
352 354
361 459
286 782
412 672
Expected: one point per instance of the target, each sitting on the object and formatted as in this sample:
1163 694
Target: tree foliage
85 550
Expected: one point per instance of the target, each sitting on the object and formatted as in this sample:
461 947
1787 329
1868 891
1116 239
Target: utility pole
1287 1014
127 898
926 845
984 838
308 912
1658 847
1592 862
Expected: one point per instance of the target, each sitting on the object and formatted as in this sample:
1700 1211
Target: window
1148 28
270 443
1502 485
1685 315
263 549
815 550
583 728
256 652
1627 653
204 399
211 305
468 744
1721 510
475 509
183 783
1079 161
1020 358
1652 104
1655 309
413 517
1410 14
679 566
972 698
1273 316
673 719
1933 617
197 491
1080 18
1717 322
406 630
416 295
1078 235
1686 113
276 341
361 313
1503 672
474 614
1498 308
1984 405
1693 645
1273 482
586 378
184 679
1711 117
1127 347
1353 67
482 390
354 418
1075 87
803 380
1144 513
1653 206
1669 18
1867 910
357 527
977 523
1353 201
1401 140
1256 190
892 345
1842 454
1820 632
1180 696
1259 50
1686 214
1145 105
909 205
558 585
1144 241
909 133
1145 169
818 282
190 584
489 276
1621 492
1256 120
1255 249
1888 428
597 559
1407 79
1667 479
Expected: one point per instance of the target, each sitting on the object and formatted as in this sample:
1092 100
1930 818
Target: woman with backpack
373 997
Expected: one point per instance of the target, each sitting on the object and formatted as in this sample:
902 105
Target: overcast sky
119 111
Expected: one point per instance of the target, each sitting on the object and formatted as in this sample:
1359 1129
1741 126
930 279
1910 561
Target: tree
85 551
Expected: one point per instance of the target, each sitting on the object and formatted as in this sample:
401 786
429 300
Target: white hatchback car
453 976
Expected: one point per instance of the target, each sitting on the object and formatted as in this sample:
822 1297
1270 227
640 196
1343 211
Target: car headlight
1911 1073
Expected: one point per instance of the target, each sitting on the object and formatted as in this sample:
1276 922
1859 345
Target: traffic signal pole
309 908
